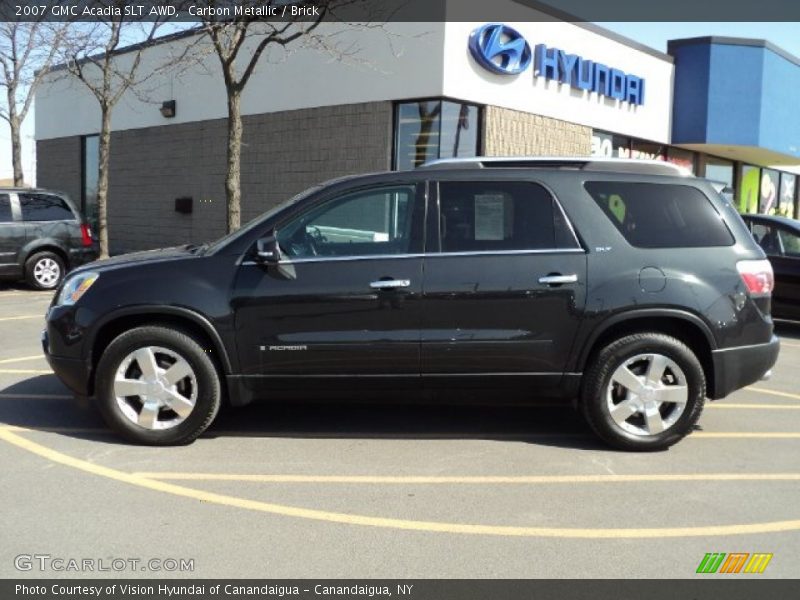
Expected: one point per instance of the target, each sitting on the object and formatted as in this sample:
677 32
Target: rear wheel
644 392
158 386
44 270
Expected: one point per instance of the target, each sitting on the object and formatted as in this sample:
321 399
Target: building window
749 190
786 205
769 188
90 159
431 129
719 169
682 158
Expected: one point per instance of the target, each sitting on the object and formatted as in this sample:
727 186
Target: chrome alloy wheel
155 388
647 394
46 272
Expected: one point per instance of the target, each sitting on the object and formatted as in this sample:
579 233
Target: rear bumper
84 254
74 372
735 368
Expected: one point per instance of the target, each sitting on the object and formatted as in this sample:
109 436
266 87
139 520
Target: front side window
790 242
5 209
363 223
655 215
500 216
44 207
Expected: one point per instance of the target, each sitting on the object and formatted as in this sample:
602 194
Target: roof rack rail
609 165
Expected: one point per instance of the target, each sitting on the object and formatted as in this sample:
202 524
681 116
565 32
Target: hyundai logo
500 48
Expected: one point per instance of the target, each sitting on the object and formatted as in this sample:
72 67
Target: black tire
208 387
597 381
34 275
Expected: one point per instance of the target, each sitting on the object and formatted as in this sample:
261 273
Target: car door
504 288
12 236
782 247
343 304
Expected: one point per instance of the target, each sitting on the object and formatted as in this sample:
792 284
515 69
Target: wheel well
112 329
681 329
53 249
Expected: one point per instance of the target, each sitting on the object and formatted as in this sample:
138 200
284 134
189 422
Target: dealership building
395 96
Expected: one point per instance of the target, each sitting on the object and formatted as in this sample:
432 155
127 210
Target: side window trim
434 235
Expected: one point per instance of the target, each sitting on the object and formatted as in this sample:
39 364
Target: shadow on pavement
788 329
43 403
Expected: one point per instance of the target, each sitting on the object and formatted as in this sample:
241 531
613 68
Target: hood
145 256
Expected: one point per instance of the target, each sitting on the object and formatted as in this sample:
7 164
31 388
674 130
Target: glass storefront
431 129
90 151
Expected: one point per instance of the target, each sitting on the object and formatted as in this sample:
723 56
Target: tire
45 270
142 401
646 411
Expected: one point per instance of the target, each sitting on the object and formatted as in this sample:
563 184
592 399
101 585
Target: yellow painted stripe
789 344
7 361
25 371
391 523
758 390
755 406
475 480
22 317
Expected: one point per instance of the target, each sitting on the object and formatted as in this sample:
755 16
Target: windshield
250 225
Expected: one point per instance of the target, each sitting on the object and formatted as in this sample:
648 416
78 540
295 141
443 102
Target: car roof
777 219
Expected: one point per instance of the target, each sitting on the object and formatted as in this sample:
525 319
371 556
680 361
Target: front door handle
390 284
558 279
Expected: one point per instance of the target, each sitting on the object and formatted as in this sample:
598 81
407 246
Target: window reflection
431 129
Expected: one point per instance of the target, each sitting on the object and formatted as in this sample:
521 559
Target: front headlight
75 287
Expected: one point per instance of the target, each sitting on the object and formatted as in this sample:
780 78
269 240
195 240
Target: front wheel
157 386
643 392
44 270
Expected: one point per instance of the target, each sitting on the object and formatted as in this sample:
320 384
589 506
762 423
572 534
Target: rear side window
44 207
479 216
5 209
654 215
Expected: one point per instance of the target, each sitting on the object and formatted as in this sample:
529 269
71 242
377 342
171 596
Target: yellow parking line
790 345
25 371
23 443
756 406
7 361
759 390
515 479
22 317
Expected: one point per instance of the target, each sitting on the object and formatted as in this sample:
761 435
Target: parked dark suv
42 236
626 286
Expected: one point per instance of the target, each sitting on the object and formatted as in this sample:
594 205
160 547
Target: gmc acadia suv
626 286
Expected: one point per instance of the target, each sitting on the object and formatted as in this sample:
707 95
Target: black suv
42 236
628 286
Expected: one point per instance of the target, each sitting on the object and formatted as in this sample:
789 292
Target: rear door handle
390 284
558 279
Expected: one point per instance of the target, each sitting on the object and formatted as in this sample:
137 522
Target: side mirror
268 251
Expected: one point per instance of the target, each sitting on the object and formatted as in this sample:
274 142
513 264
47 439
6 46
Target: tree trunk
15 124
16 151
233 178
102 180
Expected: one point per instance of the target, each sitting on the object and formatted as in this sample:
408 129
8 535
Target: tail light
86 235
757 276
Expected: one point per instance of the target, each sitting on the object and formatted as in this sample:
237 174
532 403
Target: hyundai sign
502 49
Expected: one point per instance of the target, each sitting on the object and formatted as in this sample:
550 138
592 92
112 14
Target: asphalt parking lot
309 490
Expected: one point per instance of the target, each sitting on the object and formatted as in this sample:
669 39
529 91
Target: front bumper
735 368
74 372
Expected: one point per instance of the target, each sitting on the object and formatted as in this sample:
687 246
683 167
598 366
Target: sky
655 35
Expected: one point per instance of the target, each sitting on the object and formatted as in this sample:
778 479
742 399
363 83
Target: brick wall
283 154
58 166
513 133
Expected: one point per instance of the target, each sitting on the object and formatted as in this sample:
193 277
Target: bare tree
106 57
27 51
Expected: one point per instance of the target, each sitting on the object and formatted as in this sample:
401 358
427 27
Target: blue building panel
735 92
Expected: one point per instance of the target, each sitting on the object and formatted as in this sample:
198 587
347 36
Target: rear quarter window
44 207
654 215
5 209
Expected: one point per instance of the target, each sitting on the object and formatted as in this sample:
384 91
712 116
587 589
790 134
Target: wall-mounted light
168 109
